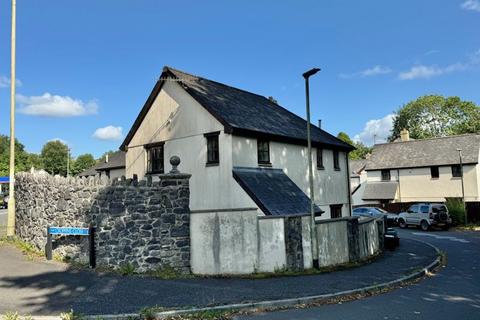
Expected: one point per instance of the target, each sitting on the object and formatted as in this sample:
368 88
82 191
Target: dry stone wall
142 223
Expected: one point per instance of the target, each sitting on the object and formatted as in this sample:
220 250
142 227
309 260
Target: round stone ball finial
174 161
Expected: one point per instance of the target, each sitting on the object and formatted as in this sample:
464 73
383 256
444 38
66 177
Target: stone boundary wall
142 223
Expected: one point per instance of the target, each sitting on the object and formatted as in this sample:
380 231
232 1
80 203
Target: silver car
425 215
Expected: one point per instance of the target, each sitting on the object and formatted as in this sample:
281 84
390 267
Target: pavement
453 293
48 288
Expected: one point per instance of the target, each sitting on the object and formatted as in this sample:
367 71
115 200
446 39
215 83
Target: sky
85 68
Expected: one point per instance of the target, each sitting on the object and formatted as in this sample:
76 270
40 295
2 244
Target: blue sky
88 65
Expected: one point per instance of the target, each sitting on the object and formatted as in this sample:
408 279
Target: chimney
320 123
404 135
106 158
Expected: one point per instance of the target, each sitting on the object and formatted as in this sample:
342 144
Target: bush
456 210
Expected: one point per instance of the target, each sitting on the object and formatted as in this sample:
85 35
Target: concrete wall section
332 242
224 242
271 245
368 236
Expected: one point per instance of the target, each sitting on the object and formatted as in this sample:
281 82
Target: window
155 158
424 209
413 209
456 171
386 175
263 152
320 158
336 160
335 211
434 173
213 156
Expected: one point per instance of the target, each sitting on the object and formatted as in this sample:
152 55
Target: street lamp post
313 233
463 187
11 191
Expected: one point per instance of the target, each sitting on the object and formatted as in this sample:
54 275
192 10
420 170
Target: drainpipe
348 185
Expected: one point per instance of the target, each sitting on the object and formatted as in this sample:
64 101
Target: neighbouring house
358 175
245 152
426 170
113 167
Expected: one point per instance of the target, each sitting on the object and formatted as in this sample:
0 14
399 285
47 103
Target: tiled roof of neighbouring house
241 112
356 166
115 160
380 190
273 191
425 153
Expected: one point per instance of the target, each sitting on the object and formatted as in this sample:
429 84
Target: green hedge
456 210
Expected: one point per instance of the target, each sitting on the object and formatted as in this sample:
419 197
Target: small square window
213 154
320 158
456 171
386 175
336 160
335 211
434 172
263 152
155 158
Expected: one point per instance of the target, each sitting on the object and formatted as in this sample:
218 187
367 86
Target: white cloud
427 72
473 5
5 82
108 133
373 71
376 130
49 105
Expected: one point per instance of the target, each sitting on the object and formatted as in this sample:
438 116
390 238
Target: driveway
454 293
43 288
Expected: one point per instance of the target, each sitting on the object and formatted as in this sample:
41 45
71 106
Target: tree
82 162
361 151
436 116
23 160
54 157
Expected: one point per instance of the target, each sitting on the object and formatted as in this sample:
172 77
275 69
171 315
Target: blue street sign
69 231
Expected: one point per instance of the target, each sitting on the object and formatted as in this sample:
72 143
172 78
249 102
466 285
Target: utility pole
11 192
313 232
463 187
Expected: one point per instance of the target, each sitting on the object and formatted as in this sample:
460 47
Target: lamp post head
310 72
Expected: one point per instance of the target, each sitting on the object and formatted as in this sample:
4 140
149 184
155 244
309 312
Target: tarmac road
453 293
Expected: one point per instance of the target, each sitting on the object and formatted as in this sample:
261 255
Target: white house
245 152
426 170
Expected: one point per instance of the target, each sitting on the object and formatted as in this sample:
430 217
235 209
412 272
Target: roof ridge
426 139
166 68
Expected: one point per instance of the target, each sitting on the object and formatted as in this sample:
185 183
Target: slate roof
92 171
384 190
115 160
356 166
241 112
273 191
425 153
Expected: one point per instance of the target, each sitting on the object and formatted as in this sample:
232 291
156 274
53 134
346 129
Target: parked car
376 213
4 201
425 215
